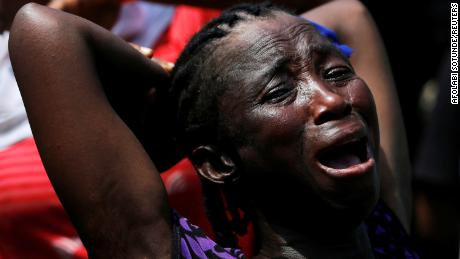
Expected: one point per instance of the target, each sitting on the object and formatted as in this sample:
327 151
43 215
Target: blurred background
417 38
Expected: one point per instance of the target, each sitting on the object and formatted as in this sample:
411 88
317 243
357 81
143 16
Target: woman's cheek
363 103
278 125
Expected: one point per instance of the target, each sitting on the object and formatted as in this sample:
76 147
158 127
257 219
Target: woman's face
308 123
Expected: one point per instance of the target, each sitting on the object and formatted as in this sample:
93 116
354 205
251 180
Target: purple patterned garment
193 243
386 234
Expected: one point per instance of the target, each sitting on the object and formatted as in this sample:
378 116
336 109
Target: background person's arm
356 28
80 85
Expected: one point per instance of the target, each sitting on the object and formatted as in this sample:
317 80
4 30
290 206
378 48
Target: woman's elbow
33 25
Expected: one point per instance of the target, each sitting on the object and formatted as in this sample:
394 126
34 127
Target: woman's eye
338 73
277 94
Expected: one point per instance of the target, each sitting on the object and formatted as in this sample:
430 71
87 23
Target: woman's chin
352 209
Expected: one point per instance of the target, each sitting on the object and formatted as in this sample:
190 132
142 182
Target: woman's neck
280 242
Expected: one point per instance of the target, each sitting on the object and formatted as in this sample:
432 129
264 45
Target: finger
56 4
65 5
143 50
167 66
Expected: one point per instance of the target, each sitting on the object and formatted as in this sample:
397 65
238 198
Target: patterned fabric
191 242
387 236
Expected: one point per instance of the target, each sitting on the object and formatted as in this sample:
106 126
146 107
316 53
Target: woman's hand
102 12
148 53
155 124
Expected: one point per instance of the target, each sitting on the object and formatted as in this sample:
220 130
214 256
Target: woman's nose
328 105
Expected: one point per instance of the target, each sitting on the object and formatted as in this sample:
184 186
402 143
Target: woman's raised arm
80 85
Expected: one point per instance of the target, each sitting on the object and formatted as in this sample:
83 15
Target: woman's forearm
105 180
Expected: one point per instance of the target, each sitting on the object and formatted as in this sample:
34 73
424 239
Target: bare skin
130 208
85 137
349 18
311 103
351 21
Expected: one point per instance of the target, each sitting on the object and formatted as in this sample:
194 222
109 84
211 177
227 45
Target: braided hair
195 87
195 90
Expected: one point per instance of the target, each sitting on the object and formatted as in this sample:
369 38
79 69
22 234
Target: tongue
341 161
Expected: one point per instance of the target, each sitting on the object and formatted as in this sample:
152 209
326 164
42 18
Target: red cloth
33 223
186 21
186 196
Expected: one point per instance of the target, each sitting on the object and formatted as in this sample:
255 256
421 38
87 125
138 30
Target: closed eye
338 73
277 94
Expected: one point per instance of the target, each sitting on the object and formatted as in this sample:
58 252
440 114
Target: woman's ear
214 165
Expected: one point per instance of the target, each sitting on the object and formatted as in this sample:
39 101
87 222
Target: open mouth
345 155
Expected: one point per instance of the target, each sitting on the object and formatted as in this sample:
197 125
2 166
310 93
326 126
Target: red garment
33 223
186 21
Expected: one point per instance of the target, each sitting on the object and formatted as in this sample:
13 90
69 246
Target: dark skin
311 102
350 20
107 140
287 117
88 148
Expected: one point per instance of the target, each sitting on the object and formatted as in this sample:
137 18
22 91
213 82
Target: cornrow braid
195 92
